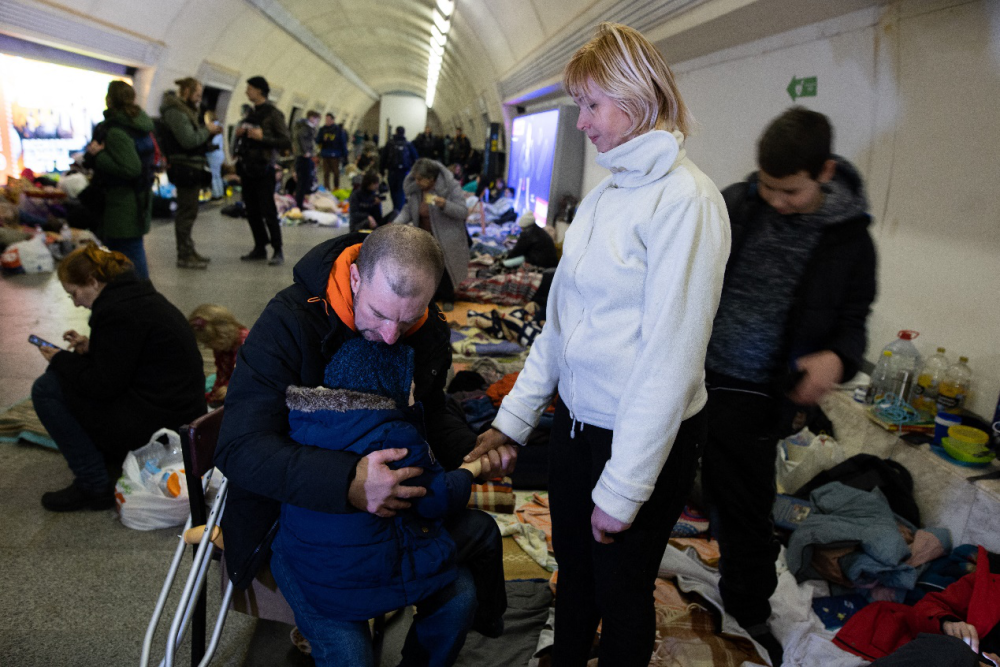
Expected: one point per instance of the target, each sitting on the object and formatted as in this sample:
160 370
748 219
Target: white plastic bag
803 456
31 256
151 476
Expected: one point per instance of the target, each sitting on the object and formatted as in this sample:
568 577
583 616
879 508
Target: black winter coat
291 344
256 157
537 248
833 298
143 370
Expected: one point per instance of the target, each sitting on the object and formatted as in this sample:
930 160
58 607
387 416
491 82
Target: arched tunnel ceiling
343 54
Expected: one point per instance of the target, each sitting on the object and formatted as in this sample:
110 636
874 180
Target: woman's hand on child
498 462
378 489
964 631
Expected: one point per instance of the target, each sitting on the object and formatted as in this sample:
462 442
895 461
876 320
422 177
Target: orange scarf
340 296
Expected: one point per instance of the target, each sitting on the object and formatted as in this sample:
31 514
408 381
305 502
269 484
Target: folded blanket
505 289
493 496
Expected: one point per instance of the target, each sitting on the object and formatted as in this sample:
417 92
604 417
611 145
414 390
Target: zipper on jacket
576 267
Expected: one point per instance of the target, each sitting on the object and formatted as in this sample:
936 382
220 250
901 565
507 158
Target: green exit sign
805 87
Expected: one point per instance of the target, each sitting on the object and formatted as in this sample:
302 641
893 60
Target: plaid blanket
503 289
495 495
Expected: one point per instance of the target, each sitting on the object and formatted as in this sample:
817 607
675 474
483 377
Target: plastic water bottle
953 391
925 390
149 471
65 239
882 379
905 362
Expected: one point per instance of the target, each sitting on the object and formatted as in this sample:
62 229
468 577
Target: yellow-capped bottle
953 392
925 389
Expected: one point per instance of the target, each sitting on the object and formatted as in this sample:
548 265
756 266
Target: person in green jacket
185 144
123 174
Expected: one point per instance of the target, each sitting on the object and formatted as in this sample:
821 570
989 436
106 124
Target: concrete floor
78 589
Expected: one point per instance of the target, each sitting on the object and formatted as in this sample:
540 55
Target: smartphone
41 342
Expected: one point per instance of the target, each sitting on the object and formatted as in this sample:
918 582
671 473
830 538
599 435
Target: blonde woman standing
629 318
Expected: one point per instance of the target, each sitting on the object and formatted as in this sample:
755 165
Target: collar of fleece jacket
643 159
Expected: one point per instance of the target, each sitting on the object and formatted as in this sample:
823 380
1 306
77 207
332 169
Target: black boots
73 498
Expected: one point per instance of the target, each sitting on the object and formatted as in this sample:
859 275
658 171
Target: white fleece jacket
630 314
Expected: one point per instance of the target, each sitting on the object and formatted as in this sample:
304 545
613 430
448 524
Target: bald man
379 289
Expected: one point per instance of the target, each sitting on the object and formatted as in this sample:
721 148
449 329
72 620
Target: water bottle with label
925 390
953 392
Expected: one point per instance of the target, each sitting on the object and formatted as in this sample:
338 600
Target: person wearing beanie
534 244
259 138
348 568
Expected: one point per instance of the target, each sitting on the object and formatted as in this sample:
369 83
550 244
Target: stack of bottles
930 387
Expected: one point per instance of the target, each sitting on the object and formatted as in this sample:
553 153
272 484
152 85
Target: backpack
400 156
165 142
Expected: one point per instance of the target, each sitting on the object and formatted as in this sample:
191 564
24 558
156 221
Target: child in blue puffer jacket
355 566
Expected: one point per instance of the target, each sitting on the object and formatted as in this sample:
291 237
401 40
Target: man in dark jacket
332 140
791 325
461 148
428 145
185 144
339 293
259 137
398 157
302 147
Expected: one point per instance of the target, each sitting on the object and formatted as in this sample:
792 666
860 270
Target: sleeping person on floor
355 566
956 627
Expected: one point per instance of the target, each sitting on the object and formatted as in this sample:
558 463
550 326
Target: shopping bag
31 256
152 491
803 456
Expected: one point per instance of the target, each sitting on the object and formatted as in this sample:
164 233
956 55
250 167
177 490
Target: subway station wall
912 92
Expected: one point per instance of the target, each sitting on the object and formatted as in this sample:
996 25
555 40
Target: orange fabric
501 388
340 296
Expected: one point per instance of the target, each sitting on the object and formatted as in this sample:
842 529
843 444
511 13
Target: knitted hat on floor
372 368
526 220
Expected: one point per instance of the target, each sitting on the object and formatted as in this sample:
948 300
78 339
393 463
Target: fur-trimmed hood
316 399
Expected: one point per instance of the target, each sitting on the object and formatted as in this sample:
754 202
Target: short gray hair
426 168
401 250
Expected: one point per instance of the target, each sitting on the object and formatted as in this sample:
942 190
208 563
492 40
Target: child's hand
475 467
964 631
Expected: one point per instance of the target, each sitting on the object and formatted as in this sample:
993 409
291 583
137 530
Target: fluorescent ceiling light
441 23
447 7
437 36
436 48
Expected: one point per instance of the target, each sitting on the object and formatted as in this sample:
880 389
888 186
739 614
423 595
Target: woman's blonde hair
91 261
626 67
215 327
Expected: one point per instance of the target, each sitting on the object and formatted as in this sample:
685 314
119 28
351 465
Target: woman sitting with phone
140 370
